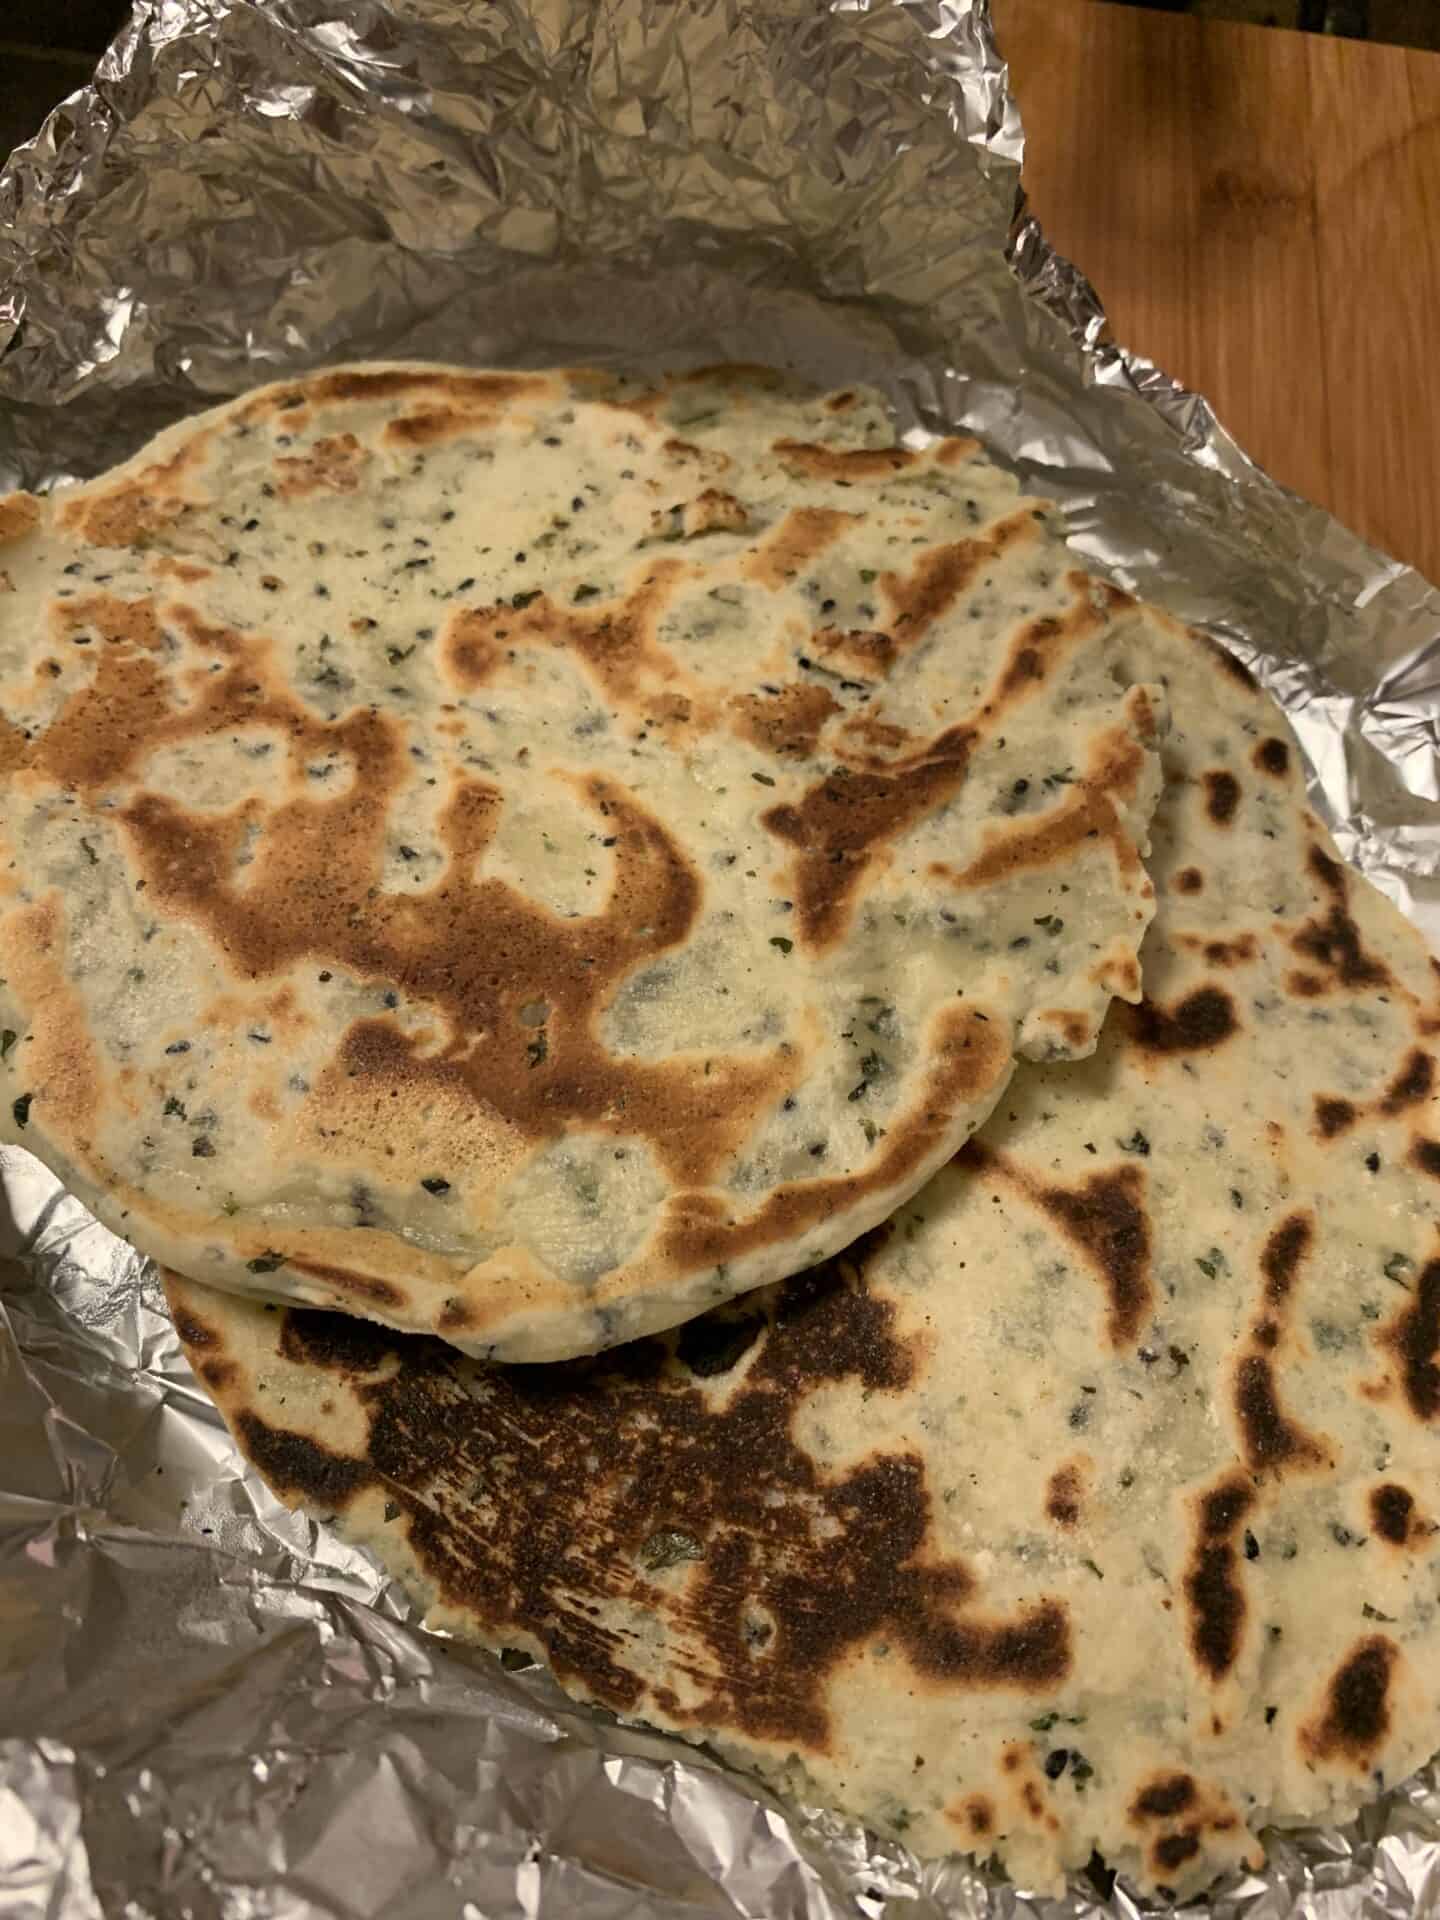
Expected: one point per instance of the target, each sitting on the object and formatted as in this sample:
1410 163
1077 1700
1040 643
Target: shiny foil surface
208 1707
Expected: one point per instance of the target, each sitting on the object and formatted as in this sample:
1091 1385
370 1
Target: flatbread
528 856
1088 1504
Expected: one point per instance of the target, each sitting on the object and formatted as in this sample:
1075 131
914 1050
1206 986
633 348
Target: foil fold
208 1706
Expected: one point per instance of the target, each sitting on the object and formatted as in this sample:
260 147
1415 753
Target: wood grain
1260 212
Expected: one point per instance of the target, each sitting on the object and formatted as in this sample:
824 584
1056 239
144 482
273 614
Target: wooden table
1260 212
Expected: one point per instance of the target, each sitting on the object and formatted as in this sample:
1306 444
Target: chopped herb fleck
873 1067
265 1263
434 1184
21 1109
668 1548
1093 1568
763 778
202 1148
1374 1613
537 1050
7 1041
779 940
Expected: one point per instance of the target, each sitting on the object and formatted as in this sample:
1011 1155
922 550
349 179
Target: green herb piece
1080 1769
21 1109
1052 923
668 1548
867 574
90 853
172 1105
763 778
537 1050
230 1205
581 594
396 654
1044 1723
1396 1266
1093 1568
873 1067
434 1184
1374 1613
7 1041
265 1263
202 1149
519 601
779 940
1213 1263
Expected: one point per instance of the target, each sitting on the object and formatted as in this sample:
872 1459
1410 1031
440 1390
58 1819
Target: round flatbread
528 856
1088 1503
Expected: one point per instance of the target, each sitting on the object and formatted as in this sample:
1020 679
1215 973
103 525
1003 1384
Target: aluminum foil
207 1706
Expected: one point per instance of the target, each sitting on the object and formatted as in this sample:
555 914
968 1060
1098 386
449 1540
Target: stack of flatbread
658 880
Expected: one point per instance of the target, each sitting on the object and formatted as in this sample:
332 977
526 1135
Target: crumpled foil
208 1707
